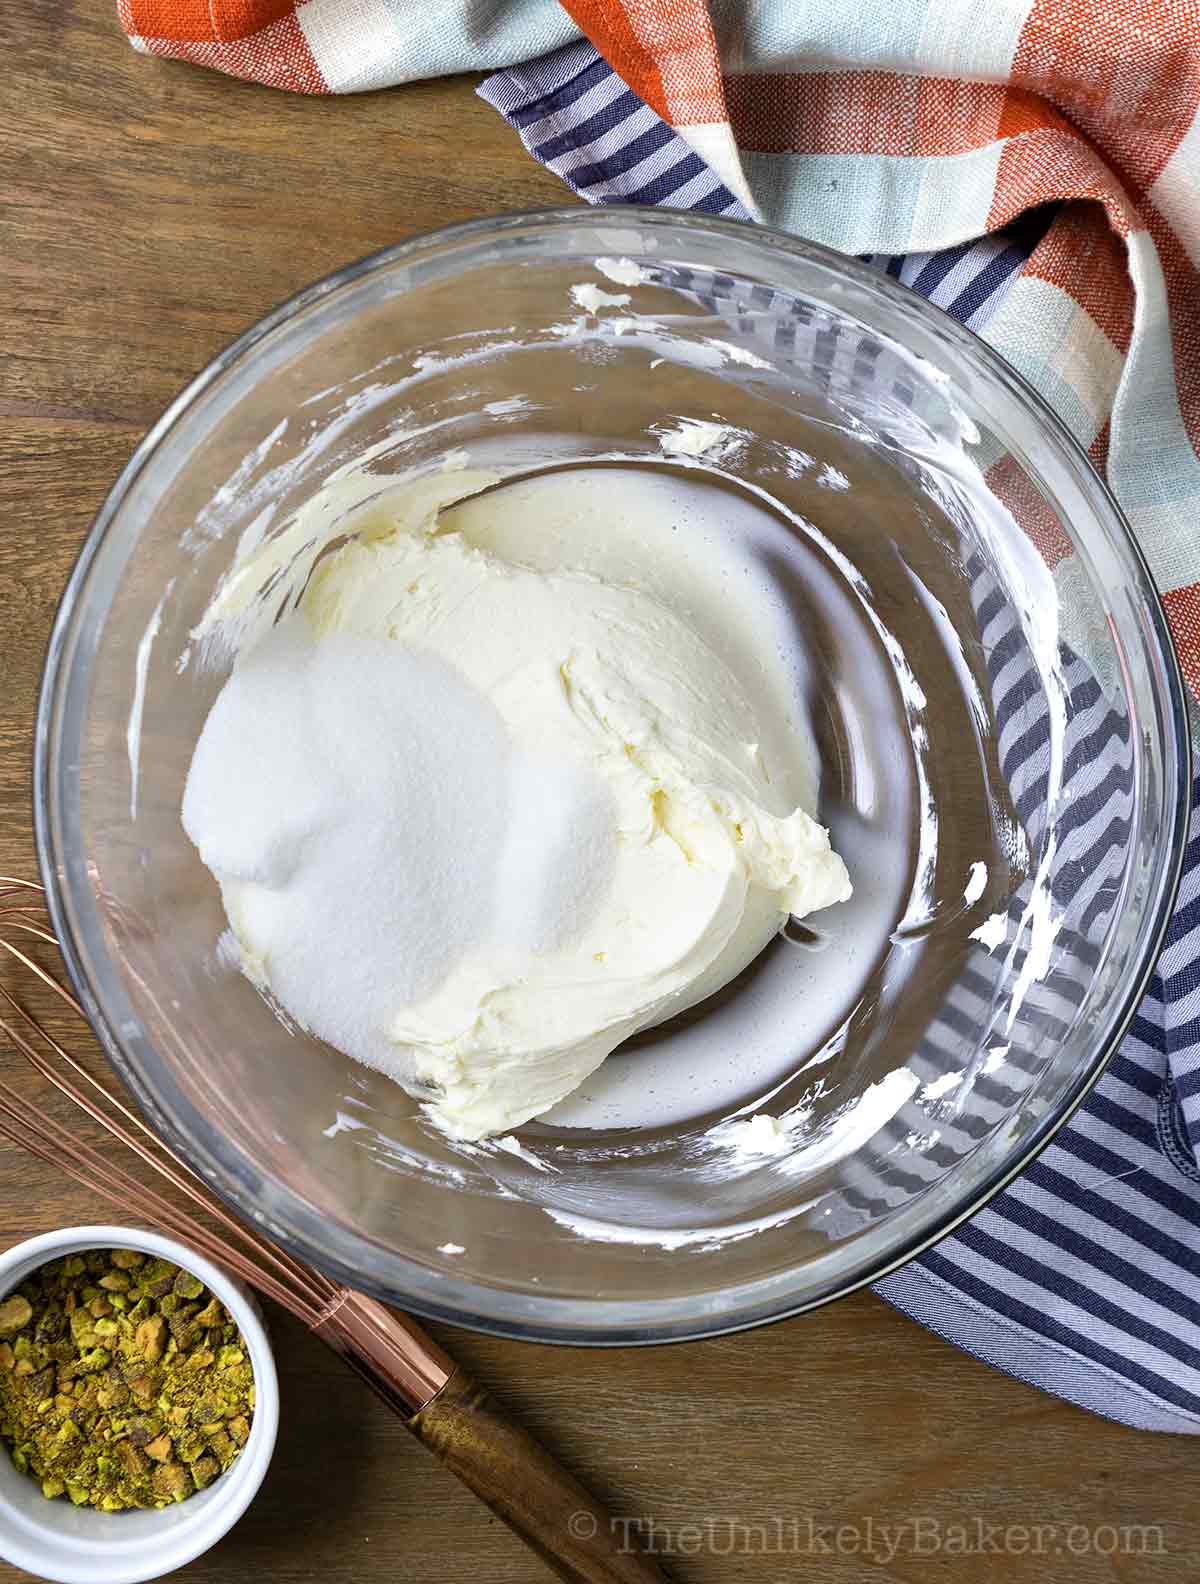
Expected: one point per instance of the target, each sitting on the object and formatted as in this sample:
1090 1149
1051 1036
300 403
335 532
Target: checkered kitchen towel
1067 137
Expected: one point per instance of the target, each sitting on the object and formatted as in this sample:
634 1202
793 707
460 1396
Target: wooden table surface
149 211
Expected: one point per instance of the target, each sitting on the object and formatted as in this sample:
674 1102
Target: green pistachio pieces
123 1381
15 1315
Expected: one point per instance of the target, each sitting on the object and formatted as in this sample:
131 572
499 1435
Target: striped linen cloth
1034 168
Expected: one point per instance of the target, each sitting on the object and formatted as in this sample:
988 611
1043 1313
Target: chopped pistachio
41 1384
15 1315
211 1315
50 1326
81 1327
183 1333
172 1480
143 1428
123 1382
148 1338
204 1470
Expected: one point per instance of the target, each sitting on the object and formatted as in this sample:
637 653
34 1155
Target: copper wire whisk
305 1292
437 1400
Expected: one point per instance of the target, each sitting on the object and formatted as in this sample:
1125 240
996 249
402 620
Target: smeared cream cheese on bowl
481 807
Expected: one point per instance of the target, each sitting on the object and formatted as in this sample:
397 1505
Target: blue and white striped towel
1083 1276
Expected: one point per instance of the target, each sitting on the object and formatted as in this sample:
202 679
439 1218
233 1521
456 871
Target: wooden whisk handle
467 1431
518 1479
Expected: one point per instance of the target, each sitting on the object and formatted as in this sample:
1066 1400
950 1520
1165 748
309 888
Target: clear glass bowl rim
454 1299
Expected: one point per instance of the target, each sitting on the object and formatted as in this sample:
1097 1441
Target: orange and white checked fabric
892 126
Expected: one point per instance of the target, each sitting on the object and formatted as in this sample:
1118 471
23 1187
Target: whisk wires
305 1292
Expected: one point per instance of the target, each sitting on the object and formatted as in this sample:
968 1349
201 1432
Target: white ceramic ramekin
77 1545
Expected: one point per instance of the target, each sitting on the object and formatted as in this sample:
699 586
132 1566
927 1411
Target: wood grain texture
148 213
480 1443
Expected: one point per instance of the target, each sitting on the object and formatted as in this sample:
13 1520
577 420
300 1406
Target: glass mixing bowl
988 676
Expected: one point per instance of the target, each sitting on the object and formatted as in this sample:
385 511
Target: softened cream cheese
495 795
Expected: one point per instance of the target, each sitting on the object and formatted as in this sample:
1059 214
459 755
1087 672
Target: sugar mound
381 826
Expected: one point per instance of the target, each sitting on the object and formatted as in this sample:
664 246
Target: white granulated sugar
371 798
562 829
